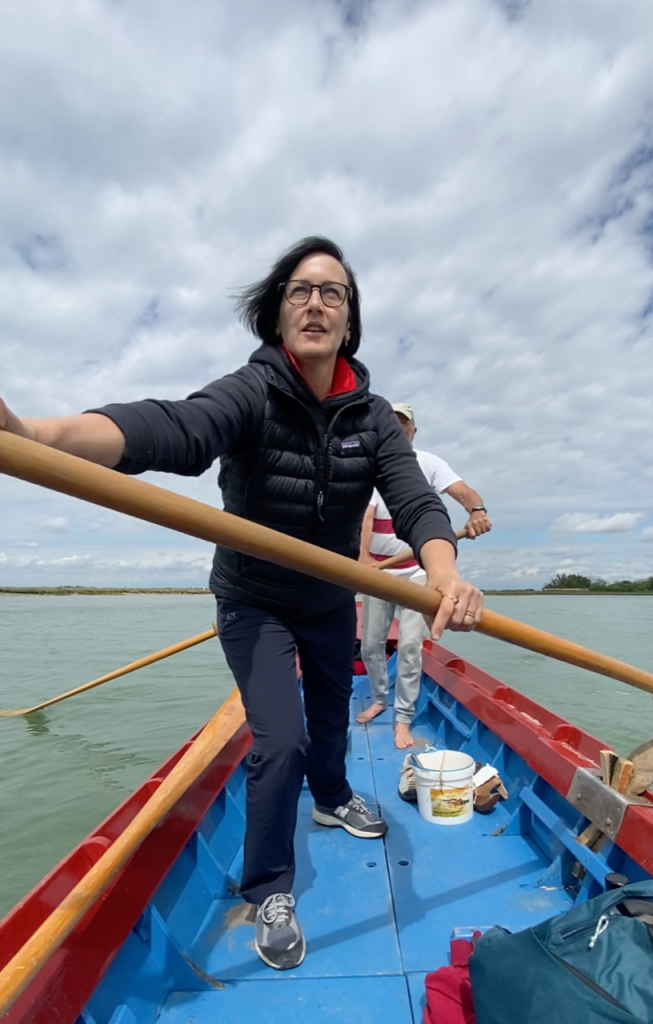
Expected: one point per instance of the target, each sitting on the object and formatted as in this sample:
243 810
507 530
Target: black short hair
258 305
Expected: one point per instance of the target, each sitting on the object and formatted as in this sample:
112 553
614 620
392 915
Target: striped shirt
385 542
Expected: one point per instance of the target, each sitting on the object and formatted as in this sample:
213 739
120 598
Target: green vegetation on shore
584 584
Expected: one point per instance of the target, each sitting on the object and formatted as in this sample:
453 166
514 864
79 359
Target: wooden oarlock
616 773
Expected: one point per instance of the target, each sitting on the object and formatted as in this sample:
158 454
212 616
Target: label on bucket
450 802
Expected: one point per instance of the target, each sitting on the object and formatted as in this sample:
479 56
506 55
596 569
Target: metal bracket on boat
604 807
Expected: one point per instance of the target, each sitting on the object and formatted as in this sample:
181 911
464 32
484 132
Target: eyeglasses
299 293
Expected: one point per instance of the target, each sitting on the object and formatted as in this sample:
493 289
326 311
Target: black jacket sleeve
186 436
418 513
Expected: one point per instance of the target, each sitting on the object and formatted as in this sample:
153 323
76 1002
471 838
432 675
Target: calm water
65 769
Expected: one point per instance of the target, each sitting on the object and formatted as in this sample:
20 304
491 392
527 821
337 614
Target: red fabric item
460 950
344 378
449 997
382 526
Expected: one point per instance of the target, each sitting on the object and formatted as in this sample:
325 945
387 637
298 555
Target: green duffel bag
590 965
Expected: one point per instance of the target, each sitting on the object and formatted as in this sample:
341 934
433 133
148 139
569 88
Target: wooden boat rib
168 941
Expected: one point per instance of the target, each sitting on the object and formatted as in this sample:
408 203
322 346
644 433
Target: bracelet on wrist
478 508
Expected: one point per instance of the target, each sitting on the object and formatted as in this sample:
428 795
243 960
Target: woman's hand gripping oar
141 663
70 475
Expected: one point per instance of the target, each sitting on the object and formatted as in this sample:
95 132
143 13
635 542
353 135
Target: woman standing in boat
302 443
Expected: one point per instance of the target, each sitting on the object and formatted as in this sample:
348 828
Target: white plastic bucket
445 791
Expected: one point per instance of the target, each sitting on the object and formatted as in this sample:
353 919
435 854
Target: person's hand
366 559
10 422
477 524
461 606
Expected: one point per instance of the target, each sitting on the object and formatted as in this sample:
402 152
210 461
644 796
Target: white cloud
19 562
57 525
161 568
581 522
486 166
647 534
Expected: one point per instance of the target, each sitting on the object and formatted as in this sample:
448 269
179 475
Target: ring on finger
468 615
456 600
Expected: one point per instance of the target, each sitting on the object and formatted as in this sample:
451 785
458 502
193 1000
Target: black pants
261 652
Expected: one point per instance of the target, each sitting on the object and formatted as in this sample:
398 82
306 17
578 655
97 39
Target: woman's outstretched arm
90 435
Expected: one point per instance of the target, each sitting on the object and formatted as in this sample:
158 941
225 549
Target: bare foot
402 735
372 712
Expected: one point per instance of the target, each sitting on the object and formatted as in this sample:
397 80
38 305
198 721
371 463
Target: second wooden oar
403 556
183 645
80 479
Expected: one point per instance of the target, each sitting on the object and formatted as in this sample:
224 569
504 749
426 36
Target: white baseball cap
404 410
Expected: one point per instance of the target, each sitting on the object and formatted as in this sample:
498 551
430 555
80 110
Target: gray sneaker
407 782
279 941
353 816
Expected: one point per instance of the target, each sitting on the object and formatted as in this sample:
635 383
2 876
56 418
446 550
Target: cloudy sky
487 166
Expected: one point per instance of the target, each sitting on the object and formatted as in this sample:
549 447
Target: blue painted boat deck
377 914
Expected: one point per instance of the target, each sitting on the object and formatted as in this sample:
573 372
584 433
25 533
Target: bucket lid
440 769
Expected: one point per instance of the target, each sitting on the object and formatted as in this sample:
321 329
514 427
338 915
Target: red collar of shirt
344 378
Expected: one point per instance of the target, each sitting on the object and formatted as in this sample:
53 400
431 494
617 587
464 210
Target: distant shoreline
124 591
571 593
96 591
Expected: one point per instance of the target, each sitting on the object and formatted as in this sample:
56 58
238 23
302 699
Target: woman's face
315 331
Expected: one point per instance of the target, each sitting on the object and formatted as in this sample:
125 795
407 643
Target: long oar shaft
24 966
141 663
70 475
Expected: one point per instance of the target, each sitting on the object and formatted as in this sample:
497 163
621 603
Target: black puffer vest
309 473
290 462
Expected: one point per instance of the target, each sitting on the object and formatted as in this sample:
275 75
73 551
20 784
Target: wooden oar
148 660
29 960
407 553
70 475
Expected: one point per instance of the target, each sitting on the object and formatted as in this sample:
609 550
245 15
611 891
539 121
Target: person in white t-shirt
378 542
